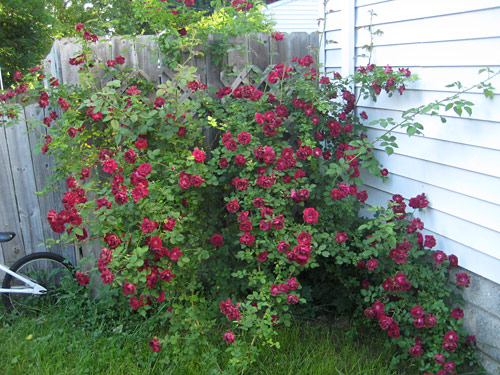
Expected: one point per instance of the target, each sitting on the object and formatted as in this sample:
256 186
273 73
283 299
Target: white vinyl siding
295 15
456 164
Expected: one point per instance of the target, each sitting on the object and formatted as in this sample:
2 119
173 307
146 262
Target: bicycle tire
49 270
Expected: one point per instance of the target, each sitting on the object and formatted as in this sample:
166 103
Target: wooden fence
23 172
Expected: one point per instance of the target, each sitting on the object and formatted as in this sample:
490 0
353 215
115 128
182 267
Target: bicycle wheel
49 270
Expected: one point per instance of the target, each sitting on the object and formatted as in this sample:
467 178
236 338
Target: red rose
282 247
216 240
275 290
262 257
240 183
304 238
130 156
128 288
182 131
463 279
175 254
362 195
106 276
449 346
229 337
112 240
292 283
166 275
121 197
451 336
457 313
169 224
223 163
148 226
144 169
265 181
110 166
246 226
416 351
394 330
82 278
139 192
196 180
141 144
154 344
453 259
385 322
259 202
341 237
310 215
244 138
155 243
135 302
240 160
429 241
199 156
417 312
233 206
430 320
371 264
277 36
247 239
223 92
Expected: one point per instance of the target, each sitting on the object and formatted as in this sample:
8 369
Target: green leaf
468 110
458 110
443 119
389 150
78 231
488 93
411 131
114 83
111 220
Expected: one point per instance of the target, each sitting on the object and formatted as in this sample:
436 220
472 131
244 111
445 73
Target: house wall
295 15
456 164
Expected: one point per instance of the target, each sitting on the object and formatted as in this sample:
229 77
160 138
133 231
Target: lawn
96 341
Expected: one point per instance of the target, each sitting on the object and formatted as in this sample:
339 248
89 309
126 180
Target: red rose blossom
155 345
462 279
310 215
82 278
216 240
229 337
199 156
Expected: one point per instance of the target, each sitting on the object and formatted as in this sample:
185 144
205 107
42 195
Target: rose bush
226 234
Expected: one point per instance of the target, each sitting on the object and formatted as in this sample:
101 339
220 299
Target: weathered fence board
9 217
148 57
24 185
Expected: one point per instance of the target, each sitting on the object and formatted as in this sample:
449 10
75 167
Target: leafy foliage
24 36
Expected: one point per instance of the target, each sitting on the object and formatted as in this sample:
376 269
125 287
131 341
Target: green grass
51 344
82 335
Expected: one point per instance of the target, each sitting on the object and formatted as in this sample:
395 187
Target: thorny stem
248 355
85 240
420 110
